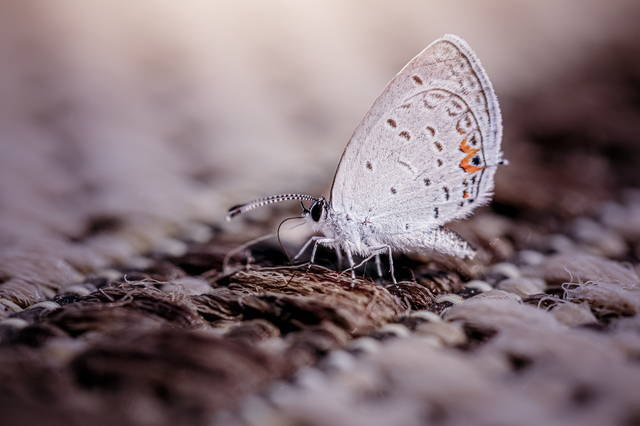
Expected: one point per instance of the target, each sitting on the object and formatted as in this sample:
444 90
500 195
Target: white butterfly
426 153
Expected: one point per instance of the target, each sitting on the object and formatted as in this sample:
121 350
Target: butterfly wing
427 150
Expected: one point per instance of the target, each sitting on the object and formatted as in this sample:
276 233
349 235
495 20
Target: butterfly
425 154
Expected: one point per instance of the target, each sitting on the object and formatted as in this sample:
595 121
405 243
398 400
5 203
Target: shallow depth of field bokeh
129 127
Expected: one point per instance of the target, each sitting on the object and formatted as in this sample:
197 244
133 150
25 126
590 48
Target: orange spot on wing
471 152
465 194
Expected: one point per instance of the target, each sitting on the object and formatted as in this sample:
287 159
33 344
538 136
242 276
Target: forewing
427 150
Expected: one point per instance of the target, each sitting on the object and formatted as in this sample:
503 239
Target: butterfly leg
386 248
318 240
393 275
306 246
378 265
352 266
339 256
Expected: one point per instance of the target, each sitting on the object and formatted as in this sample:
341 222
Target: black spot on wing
407 165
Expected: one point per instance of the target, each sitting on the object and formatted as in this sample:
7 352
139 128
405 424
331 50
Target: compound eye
316 211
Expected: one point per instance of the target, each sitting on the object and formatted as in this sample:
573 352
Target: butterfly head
317 215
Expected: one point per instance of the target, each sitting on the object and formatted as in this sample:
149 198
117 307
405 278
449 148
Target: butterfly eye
316 211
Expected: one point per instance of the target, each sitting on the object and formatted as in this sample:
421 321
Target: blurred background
122 121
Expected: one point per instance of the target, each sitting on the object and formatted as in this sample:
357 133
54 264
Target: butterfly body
366 236
348 233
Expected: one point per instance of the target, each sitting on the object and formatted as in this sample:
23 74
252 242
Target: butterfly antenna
241 208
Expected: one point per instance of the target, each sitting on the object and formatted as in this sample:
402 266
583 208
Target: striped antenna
241 208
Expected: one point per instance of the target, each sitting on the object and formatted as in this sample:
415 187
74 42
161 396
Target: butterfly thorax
349 233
